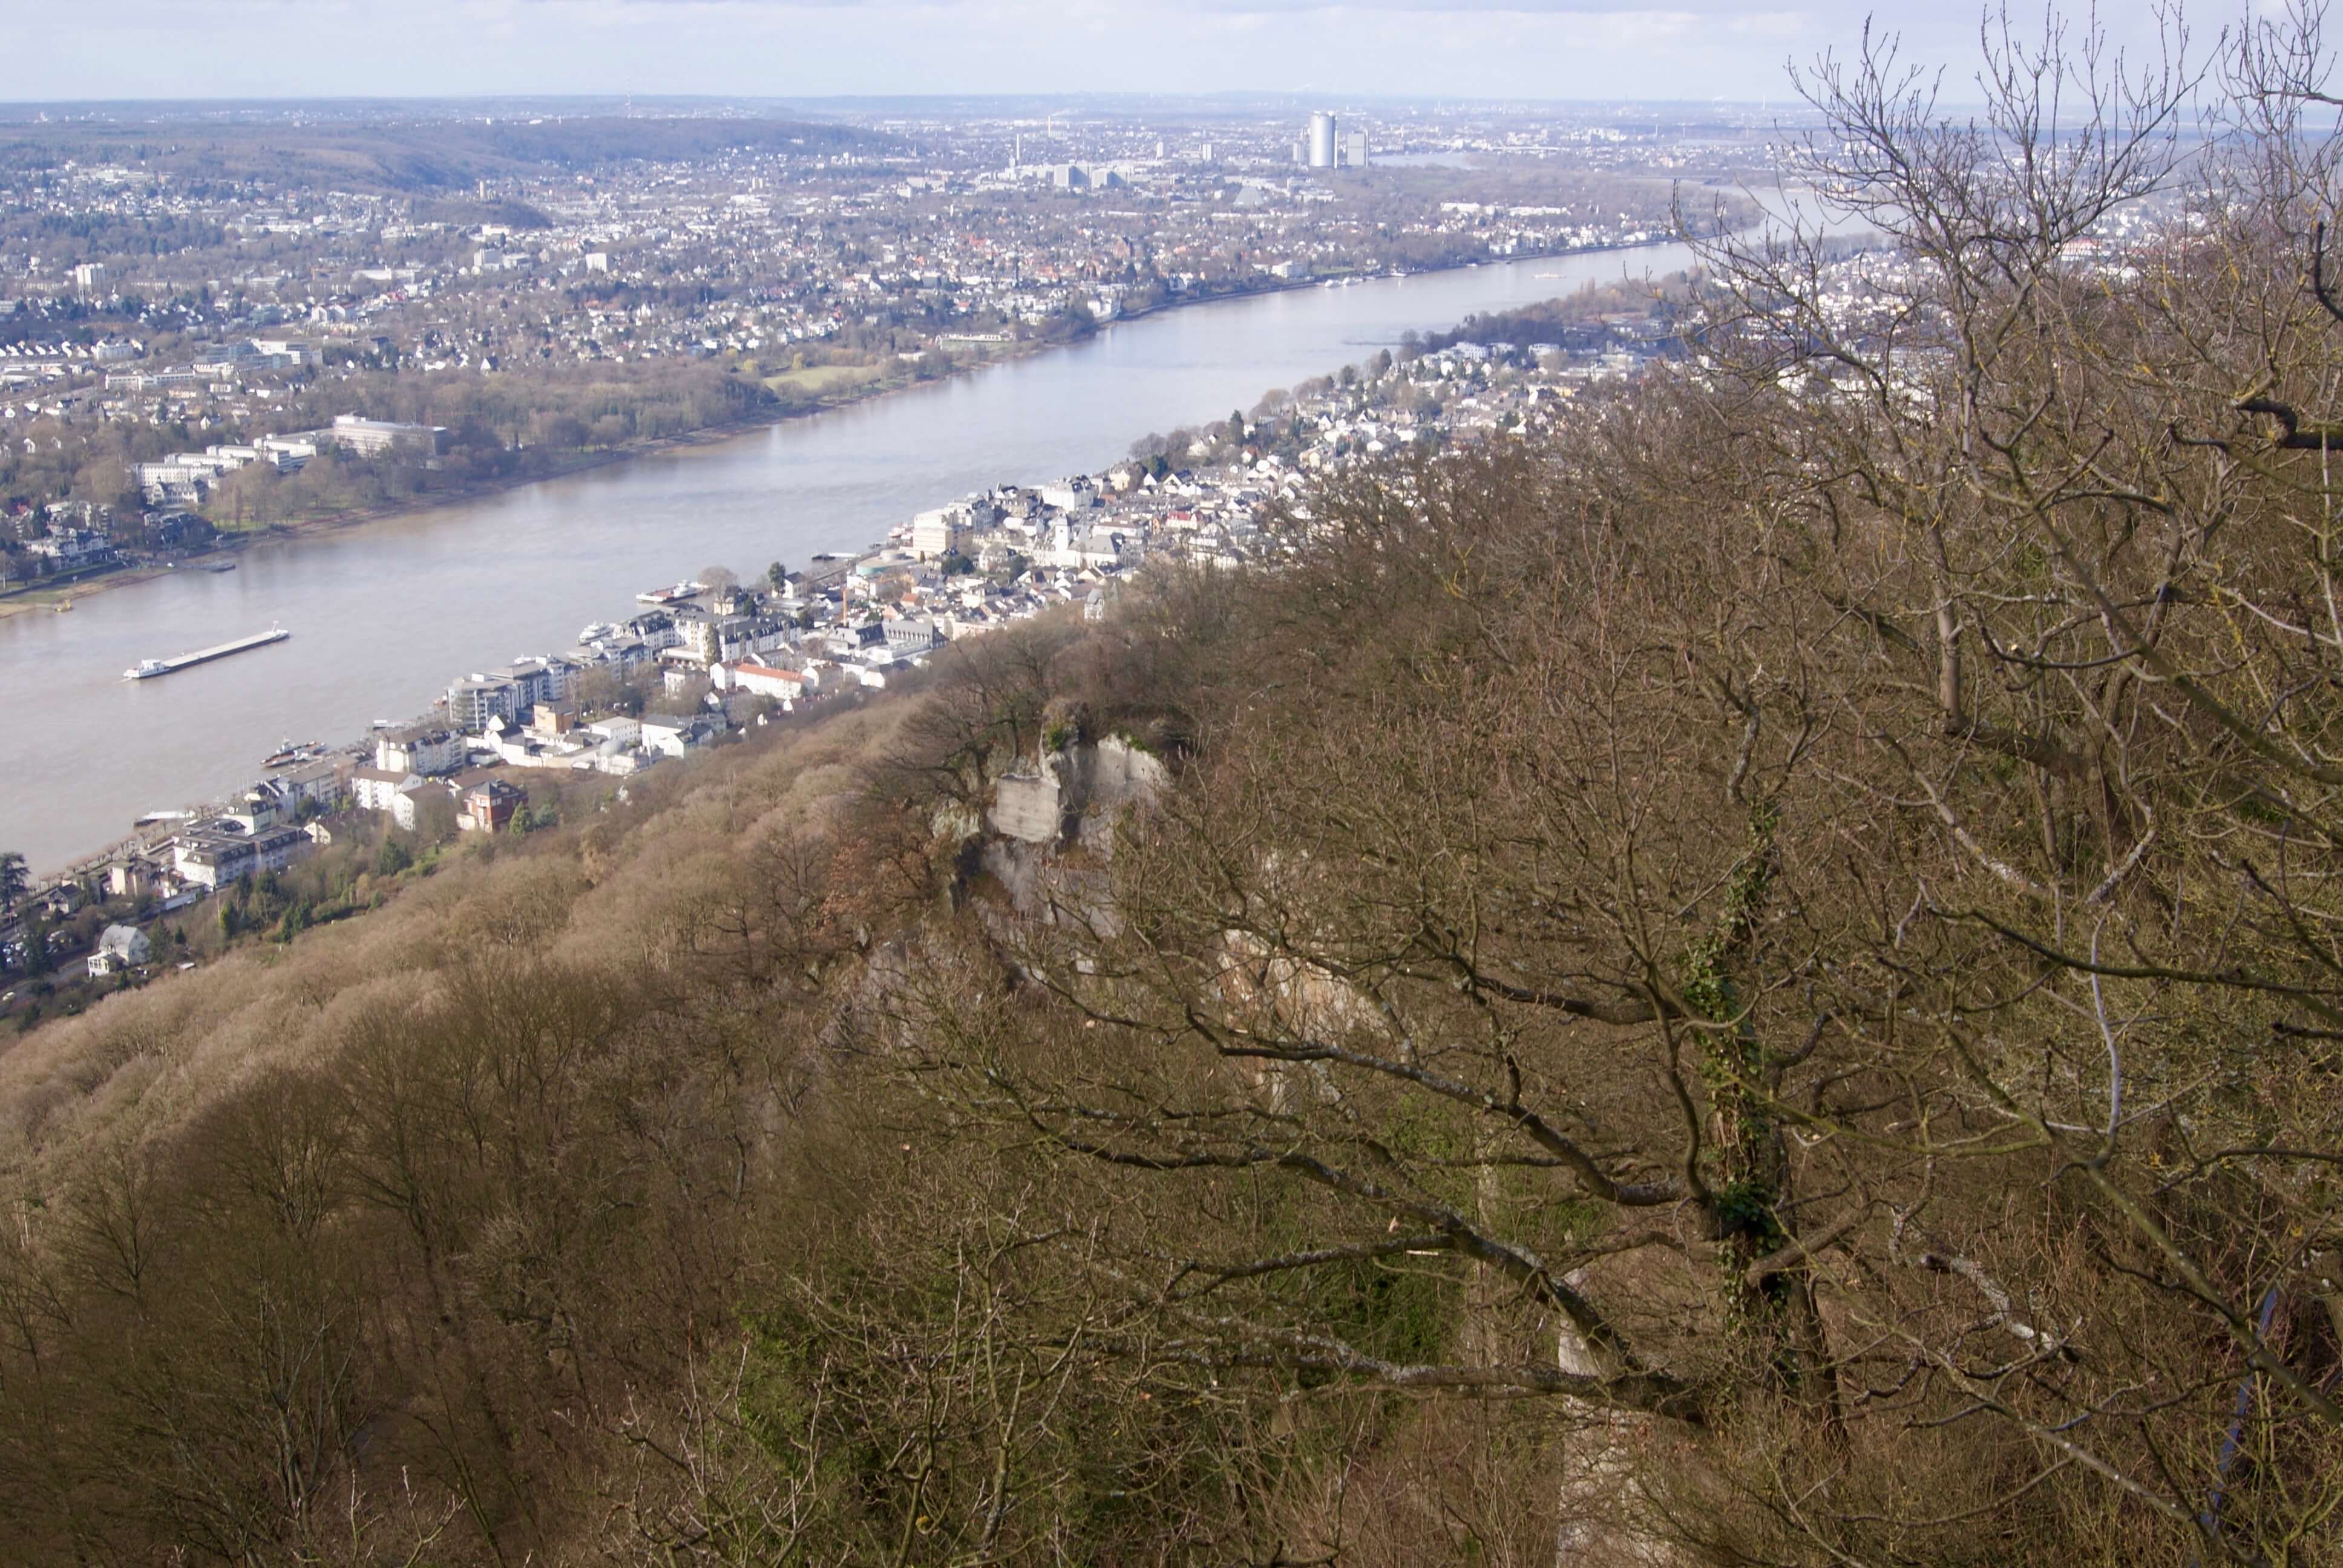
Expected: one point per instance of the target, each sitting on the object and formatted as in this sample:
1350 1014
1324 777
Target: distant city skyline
1541 49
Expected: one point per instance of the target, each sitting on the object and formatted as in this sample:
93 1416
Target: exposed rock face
1029 807
1122 776
1074 795
1018 867
1050 823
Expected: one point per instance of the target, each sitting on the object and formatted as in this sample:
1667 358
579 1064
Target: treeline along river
383 616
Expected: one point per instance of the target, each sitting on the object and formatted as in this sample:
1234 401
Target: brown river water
383 616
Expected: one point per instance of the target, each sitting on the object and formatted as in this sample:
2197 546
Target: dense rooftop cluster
696 664
167 288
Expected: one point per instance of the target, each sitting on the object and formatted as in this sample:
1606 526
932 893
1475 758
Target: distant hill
417 155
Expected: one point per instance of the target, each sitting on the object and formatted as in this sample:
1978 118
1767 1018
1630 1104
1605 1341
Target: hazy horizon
1696 51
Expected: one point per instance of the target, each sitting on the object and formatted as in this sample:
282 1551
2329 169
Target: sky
1559 49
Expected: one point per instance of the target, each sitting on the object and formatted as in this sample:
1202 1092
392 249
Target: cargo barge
148 669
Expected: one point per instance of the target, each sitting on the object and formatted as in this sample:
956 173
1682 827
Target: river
383 616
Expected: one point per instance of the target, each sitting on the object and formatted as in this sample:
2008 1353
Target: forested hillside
1753 981
425 156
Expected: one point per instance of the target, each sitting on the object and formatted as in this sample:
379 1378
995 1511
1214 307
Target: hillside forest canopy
431 157
1755 979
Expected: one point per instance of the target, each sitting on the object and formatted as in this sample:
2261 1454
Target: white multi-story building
942 532
378 788
1071 495
787 684
426 751
210 858
317 784
538 680
371 437
473 701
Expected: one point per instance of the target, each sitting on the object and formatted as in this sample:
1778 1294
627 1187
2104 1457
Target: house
72 550
911 639
120 948
678 737
133 877
787 684
850 640
609 757
656 628
617 729
1073 548
612 745
486 806
407 802
278 848
622 650
552 721
375 788
766 633
258 807
1075 493
176 530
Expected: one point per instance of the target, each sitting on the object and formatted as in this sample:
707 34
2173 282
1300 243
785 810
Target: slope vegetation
1752 981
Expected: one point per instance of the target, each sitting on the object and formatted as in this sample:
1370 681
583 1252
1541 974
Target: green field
825 380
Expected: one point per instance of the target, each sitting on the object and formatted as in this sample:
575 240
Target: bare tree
1805 910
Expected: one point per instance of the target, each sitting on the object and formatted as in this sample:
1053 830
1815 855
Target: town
708 661
1446 781
184 305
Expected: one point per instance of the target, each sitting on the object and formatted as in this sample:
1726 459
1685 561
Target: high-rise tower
1321 140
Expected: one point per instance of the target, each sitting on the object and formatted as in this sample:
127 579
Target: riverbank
29 600
382 614
50 597
45 599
